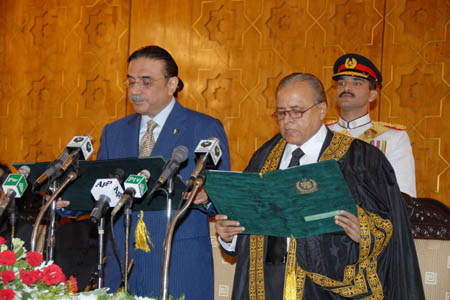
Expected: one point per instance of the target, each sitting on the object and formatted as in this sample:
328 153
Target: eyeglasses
144 82
293 113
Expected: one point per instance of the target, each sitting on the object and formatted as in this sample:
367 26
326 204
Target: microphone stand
51 228
12 217
169 201
101 234
71 177
164 291
127 224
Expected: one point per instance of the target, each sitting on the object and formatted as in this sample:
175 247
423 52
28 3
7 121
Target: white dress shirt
160 119
311 148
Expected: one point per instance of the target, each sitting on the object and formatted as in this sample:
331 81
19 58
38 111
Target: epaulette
374 131
390 126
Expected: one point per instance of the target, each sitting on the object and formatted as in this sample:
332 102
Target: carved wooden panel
63 62
232 54
62 65
416 93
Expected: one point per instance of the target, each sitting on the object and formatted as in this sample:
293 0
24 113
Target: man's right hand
227 229
62 203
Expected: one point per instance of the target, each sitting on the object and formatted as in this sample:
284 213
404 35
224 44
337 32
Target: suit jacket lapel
132 135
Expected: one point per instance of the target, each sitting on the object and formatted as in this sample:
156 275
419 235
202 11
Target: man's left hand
201 197
349 222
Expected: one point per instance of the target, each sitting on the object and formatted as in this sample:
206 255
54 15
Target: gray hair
313 81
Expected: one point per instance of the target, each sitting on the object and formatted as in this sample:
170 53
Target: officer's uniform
390 139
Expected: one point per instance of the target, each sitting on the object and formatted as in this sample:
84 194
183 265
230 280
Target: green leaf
26 296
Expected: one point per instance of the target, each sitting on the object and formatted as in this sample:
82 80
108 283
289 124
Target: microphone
135 186
14 187
208 154
107 192
77 145
179 156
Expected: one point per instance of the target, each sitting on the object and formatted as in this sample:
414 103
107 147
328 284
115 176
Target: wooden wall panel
63 62
62 65
416 92
232 54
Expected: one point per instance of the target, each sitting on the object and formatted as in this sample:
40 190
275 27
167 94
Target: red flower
72 285
29 277
53 275
7 276
2 240
39 275
7 258
7 294
34 259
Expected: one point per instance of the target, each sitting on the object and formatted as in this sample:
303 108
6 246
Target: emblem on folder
306 186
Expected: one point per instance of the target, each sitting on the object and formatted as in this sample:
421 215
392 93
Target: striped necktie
148 141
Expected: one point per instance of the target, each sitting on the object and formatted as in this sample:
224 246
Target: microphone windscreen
118 173
145 173
180 154
24 170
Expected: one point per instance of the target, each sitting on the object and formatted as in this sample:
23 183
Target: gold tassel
141 235
290 278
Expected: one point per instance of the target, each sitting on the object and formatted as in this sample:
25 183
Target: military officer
358 81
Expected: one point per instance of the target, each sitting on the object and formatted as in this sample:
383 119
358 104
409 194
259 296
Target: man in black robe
373 258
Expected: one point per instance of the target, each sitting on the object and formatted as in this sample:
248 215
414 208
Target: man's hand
60 203
349 222
227 229
201 197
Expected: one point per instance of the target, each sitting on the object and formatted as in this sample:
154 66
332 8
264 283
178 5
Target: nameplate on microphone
211 147
84 143
138 183
107 186
15 182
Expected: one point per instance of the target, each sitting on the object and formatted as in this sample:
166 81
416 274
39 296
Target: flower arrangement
24 275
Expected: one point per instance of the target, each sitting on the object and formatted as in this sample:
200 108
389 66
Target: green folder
301 201
78 192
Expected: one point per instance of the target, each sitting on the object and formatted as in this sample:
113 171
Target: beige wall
224 266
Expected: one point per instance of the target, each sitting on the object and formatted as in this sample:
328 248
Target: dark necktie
276 245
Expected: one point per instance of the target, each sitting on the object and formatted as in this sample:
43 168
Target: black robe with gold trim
383 265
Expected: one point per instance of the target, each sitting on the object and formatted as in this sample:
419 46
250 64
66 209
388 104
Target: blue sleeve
221 135
69 213
103 149
224 164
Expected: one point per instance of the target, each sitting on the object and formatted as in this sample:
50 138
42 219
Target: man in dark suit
372 258
160 124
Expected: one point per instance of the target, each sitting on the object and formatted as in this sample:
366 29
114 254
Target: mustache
346 93
137 98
